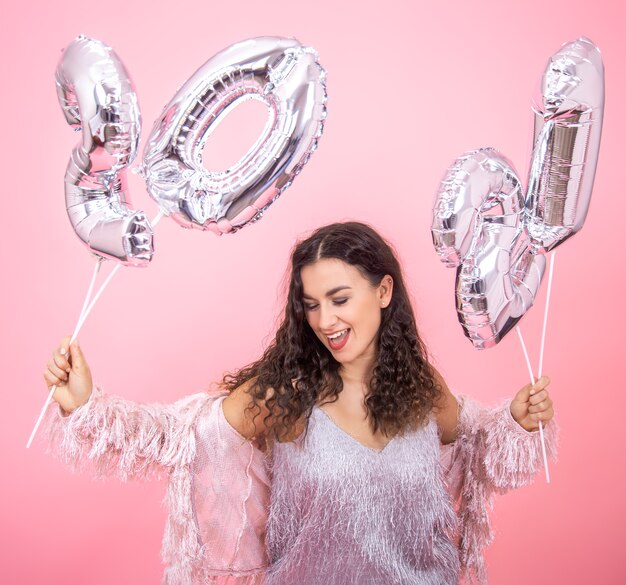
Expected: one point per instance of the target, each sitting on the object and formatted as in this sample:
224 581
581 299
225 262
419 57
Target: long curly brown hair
296 371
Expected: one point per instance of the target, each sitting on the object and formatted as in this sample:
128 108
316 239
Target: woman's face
344 309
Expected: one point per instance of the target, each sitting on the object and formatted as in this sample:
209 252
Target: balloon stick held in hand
540 371
76 330
532 381
530 369
88 305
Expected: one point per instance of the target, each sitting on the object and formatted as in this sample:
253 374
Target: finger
537 408
524 394
540 384
539 397
79 364
60 360
544 416
542 406
52 380
56 370
64 344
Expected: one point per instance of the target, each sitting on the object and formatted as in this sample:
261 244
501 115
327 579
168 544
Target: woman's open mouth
338 340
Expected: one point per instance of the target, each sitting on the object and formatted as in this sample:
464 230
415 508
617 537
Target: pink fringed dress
322 509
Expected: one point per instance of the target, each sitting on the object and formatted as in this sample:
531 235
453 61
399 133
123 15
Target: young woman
339 457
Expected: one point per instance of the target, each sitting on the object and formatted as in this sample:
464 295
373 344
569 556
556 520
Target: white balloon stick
96 269
113 272
532 381
543 340
83 317
545 313
530 368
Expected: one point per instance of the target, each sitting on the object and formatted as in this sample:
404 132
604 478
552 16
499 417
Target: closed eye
313 306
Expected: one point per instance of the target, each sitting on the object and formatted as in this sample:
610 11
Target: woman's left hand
533 404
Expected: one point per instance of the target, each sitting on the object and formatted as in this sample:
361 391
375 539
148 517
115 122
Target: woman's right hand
71 376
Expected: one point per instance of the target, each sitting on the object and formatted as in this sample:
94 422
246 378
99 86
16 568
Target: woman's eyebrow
330 293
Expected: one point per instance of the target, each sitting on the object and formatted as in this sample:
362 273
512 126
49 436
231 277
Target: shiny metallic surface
495 235
97 97
279 72
478 228
568 127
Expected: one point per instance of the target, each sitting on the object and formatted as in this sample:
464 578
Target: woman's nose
328 317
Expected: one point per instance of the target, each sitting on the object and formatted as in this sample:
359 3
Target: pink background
411 85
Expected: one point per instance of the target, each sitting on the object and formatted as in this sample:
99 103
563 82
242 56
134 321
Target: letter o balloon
279 72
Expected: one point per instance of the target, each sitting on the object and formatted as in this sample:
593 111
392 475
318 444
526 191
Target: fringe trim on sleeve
497 455
129 440
122 438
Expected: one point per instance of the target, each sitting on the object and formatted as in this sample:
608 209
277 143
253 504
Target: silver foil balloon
97 97
279 72
478 227
568 126
485 226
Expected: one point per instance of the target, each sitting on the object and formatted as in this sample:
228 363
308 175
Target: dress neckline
352 437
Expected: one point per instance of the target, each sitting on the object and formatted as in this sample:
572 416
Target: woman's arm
218 488
447 412
119 437
116 436
493 453
529 406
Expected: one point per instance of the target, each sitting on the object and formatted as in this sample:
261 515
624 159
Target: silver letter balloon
494 235
97 96
283 75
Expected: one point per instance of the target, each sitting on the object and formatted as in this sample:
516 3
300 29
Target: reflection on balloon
568 126
478 227
283 75
495 236
97 96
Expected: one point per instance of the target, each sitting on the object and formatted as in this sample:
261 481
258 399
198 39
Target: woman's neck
357 373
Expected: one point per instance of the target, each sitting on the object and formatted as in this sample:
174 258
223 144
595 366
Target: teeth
338 334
